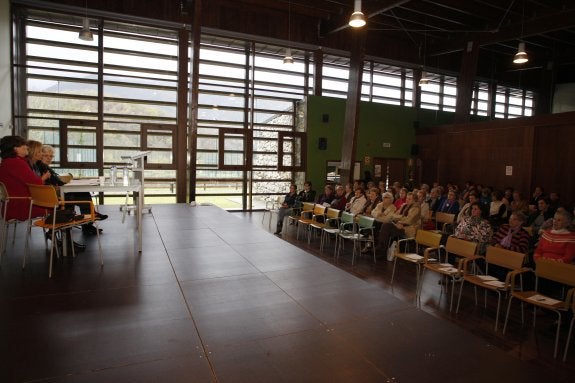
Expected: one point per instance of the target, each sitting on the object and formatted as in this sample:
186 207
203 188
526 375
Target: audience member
450 204
339 200
327 196
306 195
497 210
539 216
349 191
512 236
519 203
384 210
357 203
466 209
474 228
286 207
401 198
405 221
558 243
374 199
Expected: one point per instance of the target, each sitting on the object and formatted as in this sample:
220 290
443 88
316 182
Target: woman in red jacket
15 173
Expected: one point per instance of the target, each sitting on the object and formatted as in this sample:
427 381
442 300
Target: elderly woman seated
357 203
474 228
512 236
405 221
558 243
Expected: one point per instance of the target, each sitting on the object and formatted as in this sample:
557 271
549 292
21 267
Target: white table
92 185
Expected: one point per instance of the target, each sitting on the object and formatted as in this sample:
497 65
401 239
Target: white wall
564 98
5 77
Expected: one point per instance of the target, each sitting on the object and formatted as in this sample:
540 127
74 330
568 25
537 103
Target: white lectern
137 163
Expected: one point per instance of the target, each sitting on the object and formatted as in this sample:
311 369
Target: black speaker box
322 143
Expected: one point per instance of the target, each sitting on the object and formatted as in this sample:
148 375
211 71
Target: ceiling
434 33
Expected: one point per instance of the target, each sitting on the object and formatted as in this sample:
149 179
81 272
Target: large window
246 87
138 85
99 106
387 84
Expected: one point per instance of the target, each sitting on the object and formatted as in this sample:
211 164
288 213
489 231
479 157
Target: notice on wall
509 170
377 169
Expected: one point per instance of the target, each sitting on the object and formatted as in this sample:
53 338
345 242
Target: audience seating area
493 269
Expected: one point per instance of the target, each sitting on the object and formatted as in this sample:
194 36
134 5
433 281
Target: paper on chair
450 270
487 278
495 283
446 264
415 257
543 299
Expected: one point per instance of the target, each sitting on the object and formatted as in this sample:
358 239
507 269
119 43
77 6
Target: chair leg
568 339
507 315
459 297
100 247
557 334
498 306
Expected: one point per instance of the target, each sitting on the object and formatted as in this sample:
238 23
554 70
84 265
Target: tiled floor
215 297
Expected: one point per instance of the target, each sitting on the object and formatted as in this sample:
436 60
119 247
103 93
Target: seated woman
474 228
558 243
519 203
287 205
384 211
357 203
44 165
405 221
401 199
327 196
512 236
15 173
339 200
466 209
374 199
450 204
497 209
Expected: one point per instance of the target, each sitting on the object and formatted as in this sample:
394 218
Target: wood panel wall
540 150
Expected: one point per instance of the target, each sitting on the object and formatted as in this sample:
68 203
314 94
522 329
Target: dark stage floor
215 297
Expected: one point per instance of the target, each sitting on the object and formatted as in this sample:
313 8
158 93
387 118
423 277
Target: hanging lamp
521 56
357 19
86 34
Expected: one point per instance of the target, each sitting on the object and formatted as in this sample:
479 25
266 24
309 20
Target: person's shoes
278 233
366 249
79 247
101 217
90 229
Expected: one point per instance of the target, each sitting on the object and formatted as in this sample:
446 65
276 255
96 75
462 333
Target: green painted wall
378 123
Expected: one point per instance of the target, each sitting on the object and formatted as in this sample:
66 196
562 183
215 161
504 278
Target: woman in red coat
15 173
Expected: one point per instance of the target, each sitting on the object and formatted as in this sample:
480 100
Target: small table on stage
93 185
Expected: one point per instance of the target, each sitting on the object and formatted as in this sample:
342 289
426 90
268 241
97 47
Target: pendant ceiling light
86 33
357 19
424 80
288 59
521 55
